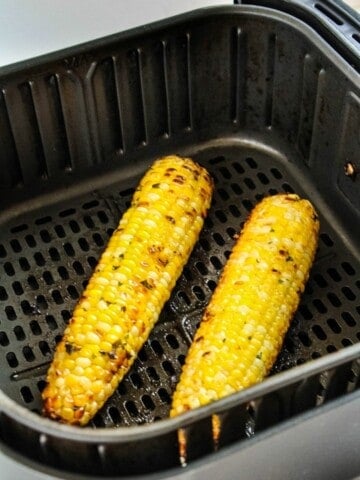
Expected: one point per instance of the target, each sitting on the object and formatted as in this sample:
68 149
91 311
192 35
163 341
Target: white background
30 28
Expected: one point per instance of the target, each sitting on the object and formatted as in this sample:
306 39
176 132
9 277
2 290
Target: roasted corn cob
243 327
128 289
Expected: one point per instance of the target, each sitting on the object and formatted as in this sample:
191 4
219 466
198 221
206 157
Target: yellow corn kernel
130 285
243 327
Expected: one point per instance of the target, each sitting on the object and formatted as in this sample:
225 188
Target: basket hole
43 220
225 172
201 268
19 333
205 245
41 384
91 204
216 262
33 283
67 212
334 274
276 173
220 215
216 160
348 268
2 251
9 269
98 421
320 280
131 408
334 299
51 322
152 373
103 217
63 273
315 355
263 178
39 259
24 264
30 240
208 223
35 327
66 315
236 189
319 332
44 348
349 319
198 292
326 240
235 212
41 302
304 339
26 307
26 394
74 226
223 194
78 268
172 341
249 183
48 278
57 297
287 188
15 245
181 359
305 312
69 249
136 380
142 356
19 228
346 342
331 348
147 402
45 236
251 162
59 230
219 239
157 348
28 354
320 307
10 313
231 232
92 262
4 340
184 298
349 294
211 285
168 368
98 240
188 274
335 327
74 294
114 415
12 360
238 167
3 294
89 222
247 205
164 396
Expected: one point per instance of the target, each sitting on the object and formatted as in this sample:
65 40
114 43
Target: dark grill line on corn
243 327
130 285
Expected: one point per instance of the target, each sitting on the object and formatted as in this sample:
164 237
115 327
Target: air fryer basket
267 106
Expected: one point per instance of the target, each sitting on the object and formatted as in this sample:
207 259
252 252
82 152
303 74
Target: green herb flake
259 356
289 258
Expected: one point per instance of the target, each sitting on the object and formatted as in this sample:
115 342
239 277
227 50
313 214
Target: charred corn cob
128 289
243 327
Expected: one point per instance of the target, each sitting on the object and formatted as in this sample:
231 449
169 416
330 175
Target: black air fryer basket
268 99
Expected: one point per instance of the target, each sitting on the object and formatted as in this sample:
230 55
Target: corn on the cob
131 283
243 327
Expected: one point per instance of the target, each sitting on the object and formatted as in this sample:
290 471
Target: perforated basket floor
48 256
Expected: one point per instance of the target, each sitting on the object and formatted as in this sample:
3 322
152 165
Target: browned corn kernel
130 285
243 327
